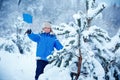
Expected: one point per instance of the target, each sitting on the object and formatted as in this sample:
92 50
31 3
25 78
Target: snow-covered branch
94 12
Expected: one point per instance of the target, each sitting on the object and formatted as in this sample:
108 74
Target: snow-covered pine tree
113 68
92 45
68 34
17 42
84 22
19 38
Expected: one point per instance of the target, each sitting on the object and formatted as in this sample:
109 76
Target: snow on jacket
46 43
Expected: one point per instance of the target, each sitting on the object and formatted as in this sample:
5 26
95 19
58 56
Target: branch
94 14
87 5
19 2
100 10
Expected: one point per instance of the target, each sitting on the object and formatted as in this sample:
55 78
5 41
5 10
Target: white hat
46 24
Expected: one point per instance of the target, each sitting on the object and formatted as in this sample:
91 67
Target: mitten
28 31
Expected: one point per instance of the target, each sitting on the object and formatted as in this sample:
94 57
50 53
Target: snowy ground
22 67
17 67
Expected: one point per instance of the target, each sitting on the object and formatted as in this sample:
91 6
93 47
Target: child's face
47 29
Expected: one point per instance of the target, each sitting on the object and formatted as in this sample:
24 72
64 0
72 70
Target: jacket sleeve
58 45
34 37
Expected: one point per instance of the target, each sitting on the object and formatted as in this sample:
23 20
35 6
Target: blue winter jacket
45 44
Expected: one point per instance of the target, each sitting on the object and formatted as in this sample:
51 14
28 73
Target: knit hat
46 24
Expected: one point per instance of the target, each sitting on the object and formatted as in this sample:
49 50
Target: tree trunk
79 66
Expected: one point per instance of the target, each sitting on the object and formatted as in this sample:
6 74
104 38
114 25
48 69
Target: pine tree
19 37
88 41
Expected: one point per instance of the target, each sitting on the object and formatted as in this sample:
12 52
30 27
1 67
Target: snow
76 16
22 67
16 66
114 41
55 73
6 43
92 11
101 71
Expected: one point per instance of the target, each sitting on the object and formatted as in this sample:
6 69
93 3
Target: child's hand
28 31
